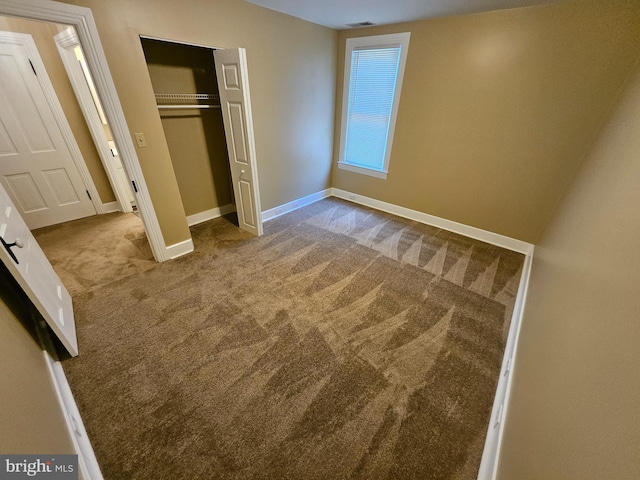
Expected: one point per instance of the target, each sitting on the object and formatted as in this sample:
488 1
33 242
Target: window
373 72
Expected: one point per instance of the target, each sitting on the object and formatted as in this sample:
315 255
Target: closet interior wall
195 136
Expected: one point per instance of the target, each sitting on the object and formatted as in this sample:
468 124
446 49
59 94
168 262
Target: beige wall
291 76
43 34
575 408
195 137
498 109
31 419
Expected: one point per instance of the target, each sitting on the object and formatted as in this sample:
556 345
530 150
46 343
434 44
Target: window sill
362 170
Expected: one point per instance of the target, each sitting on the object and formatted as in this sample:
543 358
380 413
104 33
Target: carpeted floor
96 251
343 344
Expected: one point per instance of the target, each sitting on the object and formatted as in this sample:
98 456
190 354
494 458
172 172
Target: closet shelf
187 100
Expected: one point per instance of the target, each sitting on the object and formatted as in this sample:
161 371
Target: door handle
18 243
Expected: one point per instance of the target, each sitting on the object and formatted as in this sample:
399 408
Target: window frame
370 42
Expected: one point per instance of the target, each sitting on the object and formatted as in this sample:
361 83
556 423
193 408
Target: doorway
68 176
83 86
82 20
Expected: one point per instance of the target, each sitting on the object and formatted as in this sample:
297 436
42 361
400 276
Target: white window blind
371 92
373 74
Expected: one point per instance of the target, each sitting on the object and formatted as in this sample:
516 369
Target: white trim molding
495 433
87 461
111 207
179 249
449 225
466 230
295 204
207 215
364 171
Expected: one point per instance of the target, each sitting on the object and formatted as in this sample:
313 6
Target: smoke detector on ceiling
360 24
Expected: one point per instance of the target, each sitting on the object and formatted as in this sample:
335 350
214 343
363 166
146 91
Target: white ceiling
339 13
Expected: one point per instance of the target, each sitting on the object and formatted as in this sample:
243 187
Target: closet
186 89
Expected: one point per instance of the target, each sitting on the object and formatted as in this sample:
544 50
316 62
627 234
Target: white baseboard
110 207
87 462
179 249
294 205
182 248
495 432
210 214
466 230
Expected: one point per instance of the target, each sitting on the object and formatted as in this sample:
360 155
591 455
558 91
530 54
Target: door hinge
135 187
33 68
88 195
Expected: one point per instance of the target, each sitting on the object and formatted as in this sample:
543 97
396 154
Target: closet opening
202 95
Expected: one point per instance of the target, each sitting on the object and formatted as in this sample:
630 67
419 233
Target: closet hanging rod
180 107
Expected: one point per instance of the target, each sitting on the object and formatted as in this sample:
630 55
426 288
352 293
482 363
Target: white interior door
233 86
83 86
27 263
36 167
121 177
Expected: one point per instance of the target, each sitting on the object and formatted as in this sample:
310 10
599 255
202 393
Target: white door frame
66 41
82 19
26 41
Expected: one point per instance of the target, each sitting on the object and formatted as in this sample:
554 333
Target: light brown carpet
343 344
97 250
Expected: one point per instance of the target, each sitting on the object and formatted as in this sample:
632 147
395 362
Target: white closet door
233 86
27 263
